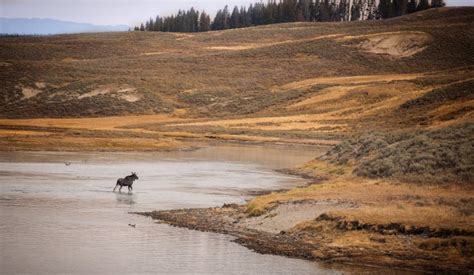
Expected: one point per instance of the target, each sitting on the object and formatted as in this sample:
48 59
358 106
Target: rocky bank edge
318 239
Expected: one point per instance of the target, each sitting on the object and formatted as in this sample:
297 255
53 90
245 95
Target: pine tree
344 12
278 11
204 22
273 6
234 18
151 24
291 10
411 6
403 7
437 3
267 13
324 11
194 20
243 21
156 26
225 17
299 11
385 8
372 10
356 10
312 11
217 22
423 5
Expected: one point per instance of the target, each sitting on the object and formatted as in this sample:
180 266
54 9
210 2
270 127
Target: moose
127 181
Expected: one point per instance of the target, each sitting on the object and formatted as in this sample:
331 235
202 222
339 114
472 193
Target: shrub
456 91
422 156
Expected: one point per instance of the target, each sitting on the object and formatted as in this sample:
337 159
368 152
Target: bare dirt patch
130 98
154 53
287 215
395 44
385 231
249 46
96 92
126 93
29 92
236 48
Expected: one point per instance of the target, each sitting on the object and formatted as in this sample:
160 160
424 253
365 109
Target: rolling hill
313 83
391 100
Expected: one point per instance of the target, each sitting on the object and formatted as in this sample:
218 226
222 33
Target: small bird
132 225
67 163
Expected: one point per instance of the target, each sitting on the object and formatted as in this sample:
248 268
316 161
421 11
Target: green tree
356 10
234 18
204 22
385 8
411 6
437 3
423 5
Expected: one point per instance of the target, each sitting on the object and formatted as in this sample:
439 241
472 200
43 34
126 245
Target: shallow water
66 219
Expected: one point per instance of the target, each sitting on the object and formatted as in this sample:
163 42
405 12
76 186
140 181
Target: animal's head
134 175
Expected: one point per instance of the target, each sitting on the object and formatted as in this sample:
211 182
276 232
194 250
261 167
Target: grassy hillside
313 83
393 98
230 73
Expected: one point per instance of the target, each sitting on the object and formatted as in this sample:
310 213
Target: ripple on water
66 219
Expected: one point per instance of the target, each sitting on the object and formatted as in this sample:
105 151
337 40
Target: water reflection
126 198
55 220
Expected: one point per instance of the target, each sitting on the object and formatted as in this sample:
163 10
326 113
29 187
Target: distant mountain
50 26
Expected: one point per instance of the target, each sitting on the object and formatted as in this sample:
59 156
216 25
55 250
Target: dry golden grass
13 133
380 201
79 134
68 143
331 93
406 212
257 60
360 79
101 123
269 44
335 109
219 84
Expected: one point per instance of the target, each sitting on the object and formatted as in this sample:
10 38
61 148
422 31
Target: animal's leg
115 187
129 189
120 189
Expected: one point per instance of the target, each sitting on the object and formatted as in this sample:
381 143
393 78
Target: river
58 218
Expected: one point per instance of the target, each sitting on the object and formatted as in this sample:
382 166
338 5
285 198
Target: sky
114 12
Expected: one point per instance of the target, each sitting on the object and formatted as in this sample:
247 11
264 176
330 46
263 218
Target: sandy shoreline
314 229
232 220
320 225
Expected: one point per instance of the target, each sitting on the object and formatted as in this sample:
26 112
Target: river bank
337 218
65 219
346 219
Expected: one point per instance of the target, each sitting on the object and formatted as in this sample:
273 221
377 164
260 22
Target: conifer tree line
282 11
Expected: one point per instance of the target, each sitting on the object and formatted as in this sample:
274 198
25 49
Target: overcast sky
112 12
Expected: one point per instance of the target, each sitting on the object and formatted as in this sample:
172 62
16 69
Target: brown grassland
392 99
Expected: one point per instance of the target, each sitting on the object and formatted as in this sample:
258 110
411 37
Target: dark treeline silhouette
286 11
